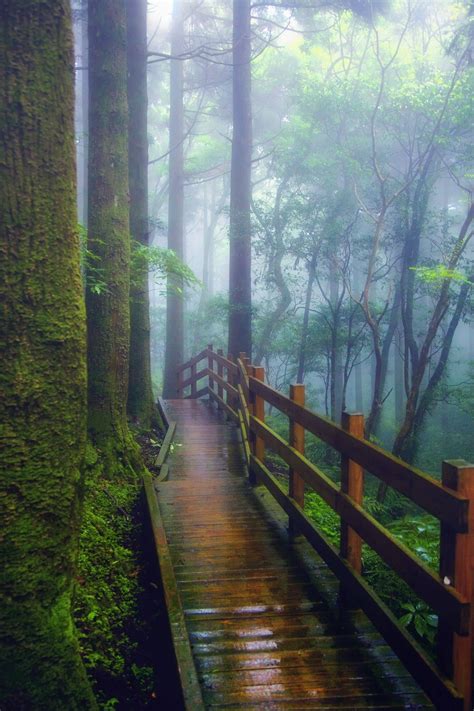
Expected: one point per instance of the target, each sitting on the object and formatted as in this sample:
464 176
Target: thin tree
240 278
174 351
140 395
108 312
42 336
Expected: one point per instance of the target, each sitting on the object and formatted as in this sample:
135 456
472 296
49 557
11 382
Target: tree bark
410 446
141 406
174 349
305 326
108 313
42 344
240 279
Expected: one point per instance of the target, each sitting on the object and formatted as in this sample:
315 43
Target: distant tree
108 312
240 279
42 342
174 350
140 395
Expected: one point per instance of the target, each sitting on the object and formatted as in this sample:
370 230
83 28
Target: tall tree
108 312
42 337
174 352
240 278
140 396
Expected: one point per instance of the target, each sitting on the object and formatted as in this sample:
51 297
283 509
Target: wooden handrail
243 394
443 503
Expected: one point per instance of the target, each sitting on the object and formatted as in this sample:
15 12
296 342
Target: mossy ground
115 605
119 610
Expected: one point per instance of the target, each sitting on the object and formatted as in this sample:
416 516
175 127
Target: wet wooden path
260 612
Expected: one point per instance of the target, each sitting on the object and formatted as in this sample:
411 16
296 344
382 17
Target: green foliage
419 618
439 273
420 534
162 263
107 588
106 584
92 274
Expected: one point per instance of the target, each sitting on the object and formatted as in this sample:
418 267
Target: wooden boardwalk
260 612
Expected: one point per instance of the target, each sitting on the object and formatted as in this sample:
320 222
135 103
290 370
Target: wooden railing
238 389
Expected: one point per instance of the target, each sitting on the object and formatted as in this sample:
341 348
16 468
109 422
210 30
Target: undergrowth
108 589
417 531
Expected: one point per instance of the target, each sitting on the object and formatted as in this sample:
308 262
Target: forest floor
119 611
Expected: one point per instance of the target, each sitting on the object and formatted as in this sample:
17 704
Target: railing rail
238 389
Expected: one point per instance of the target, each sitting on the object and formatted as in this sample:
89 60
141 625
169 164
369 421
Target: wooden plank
450 507
165 447
214 396
249 607
194 378
224 384
243 378
193 361
225 362
163 412
198 394
297 442
435 684
245 439
182 648
352 484
447 601
163 475
243 407
455 653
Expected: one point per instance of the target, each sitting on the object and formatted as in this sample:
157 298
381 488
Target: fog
361 182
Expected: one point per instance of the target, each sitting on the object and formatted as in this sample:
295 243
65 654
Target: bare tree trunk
240 279
358 389
305 326
174 351
398 377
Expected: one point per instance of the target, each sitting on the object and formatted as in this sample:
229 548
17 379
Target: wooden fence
238 389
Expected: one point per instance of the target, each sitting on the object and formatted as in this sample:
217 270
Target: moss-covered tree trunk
43 374
108 312
140 396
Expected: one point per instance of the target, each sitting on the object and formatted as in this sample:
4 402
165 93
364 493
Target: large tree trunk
42 337
240 279
174 351
108 313
82 108
140 396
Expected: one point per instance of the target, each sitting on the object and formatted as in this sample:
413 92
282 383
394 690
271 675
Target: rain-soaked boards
255 618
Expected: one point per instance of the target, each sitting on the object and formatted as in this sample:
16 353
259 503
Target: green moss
43 379
107 589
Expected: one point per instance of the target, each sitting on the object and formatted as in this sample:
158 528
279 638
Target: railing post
296 440
352 484
456 569
251 404
258 373
220 371
179 386
193 381
210 365
232 381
